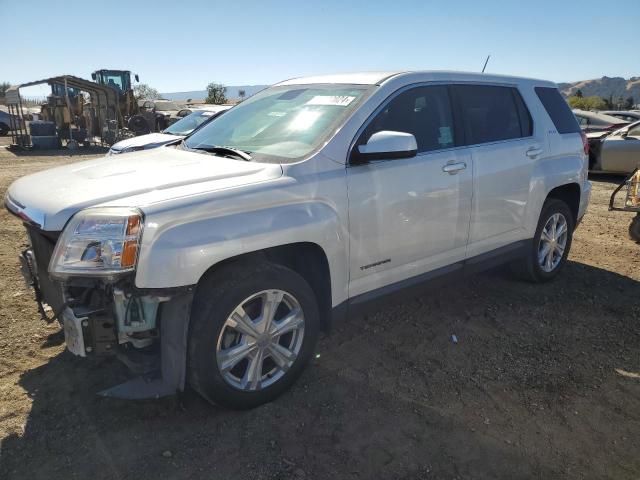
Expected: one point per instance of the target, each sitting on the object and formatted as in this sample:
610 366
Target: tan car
617 152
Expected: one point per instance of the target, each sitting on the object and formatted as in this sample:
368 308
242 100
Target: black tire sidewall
4 129
551 207
215 299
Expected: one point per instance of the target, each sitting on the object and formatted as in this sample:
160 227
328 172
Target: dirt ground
544 382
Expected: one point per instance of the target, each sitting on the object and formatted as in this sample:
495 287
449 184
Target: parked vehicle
596 122
218 262
626 115
171 134
7 120
615 152
165 112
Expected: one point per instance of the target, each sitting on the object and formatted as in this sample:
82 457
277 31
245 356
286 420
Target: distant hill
232 92
605 87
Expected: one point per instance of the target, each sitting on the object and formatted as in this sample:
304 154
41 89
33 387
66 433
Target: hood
149 141
49 198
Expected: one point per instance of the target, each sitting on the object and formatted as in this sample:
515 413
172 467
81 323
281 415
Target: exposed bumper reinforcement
171 377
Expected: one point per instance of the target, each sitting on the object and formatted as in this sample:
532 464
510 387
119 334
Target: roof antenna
485 63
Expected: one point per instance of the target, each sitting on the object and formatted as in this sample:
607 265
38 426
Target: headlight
98 241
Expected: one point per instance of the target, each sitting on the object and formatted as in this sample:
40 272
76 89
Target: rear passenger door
499 132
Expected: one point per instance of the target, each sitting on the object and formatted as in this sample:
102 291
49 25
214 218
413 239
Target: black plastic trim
417 285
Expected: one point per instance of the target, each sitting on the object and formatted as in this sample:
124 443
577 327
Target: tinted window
526 124
424 112
491 114
558 110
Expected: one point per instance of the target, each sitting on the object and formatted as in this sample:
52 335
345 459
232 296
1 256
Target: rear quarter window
557 108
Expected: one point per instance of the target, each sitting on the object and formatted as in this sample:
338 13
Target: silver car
617 152
626 115
594 122
176 131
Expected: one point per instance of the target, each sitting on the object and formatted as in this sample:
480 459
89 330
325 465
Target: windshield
282 124
189 123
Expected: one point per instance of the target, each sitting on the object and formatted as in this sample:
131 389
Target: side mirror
93 76
624 133
386 145
136 77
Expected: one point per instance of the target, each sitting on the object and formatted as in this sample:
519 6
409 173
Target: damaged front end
146 330
93 295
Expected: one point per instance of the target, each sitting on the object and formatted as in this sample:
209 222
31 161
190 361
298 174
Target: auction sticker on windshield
335 100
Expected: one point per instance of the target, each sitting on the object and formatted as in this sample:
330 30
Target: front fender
179 253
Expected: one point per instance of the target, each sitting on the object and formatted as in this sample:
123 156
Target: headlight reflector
98 241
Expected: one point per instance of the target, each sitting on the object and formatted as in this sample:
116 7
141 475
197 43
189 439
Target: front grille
43 243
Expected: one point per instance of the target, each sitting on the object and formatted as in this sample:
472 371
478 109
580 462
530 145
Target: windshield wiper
224 150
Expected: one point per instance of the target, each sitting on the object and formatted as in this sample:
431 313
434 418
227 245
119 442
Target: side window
557 108
634 131
492 113
424 112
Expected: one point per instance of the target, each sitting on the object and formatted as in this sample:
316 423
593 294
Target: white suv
217 262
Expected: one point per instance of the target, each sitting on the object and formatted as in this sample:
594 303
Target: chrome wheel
260 340
553 241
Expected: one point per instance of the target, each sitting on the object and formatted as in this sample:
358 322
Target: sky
183 45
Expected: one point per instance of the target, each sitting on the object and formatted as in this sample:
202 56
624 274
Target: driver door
409 216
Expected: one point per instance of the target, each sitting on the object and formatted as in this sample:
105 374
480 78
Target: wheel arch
570 194
308 259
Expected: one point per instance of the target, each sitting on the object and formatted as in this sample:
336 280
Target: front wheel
550 246
253 330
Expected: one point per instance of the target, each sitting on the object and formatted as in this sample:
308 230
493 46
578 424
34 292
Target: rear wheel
551 244
253 330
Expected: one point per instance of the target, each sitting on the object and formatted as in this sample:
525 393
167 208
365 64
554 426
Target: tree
587 103
628 103
216 93
579 93
242 93
144 91
4 86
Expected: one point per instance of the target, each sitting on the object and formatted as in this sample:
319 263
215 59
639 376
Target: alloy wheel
553 241
260 340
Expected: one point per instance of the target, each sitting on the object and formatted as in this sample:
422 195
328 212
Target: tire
4 129
634 229
212 338
529 267
138 125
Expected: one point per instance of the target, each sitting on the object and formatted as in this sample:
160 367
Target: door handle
453 168
533 152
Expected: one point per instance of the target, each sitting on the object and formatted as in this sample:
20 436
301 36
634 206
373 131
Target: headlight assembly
98 242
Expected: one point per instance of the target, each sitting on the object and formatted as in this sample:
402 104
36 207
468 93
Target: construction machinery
129 115
102 111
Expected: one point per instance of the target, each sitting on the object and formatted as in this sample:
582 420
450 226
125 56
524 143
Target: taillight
585 143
